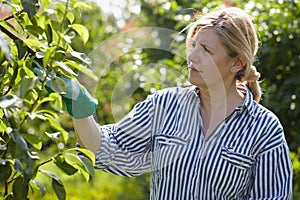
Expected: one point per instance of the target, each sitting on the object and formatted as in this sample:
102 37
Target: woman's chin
197 81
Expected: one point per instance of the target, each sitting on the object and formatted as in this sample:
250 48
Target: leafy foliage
278 59
41 31
67 36
279 63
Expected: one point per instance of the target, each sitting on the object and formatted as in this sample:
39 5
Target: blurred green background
278 60
130 71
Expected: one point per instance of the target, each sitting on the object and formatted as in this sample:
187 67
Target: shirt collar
249 102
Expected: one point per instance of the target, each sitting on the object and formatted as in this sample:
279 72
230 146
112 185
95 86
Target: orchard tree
50 33
38 33
278 60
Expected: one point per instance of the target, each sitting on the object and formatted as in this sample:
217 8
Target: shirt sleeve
126 146
273 173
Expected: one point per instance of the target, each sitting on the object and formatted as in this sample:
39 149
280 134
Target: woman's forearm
88 133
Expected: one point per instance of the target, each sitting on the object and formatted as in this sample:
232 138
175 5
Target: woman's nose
191 56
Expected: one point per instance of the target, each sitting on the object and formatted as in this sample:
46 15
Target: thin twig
14 37
49 160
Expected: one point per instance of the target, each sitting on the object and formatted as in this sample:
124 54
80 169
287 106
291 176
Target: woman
211 141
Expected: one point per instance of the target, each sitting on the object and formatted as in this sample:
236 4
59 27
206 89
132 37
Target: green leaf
20 188
14 75
2 60
55 25
46 99
47 112
81 56
66 68
30 6
3 127
33 42
70 17
5 170
34 30
33 155
174 5
34 140
82 31
51 175
47 56
57 185
64 165
88 165
10 197
27 84
3 147
19 146
61 9
4 46
10 101
46 3
82 5
18 165
56 125
74 160
49 34
36 115
53 136
85 70
59 190
59 54
38 186
58 85
57 104
22 49
89 154
67 38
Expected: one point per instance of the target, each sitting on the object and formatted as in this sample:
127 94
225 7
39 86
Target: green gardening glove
78 101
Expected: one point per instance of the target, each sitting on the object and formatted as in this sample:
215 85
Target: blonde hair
237 33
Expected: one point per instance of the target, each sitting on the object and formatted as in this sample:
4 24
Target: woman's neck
216 105
220 99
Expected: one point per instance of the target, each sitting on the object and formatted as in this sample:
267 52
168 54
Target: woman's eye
193 44
205 49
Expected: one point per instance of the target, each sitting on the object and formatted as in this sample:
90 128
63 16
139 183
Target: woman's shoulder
175 93
269 126
265 112
259 110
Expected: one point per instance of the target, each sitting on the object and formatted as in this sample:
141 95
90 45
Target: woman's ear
238 64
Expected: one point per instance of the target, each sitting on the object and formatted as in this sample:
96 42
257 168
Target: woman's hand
79 103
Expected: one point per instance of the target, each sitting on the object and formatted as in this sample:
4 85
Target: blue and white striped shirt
246 157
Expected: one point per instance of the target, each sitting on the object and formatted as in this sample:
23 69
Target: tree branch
14 37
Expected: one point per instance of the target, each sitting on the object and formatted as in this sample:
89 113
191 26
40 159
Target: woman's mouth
192 69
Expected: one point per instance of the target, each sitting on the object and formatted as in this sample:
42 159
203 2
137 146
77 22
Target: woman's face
209 63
